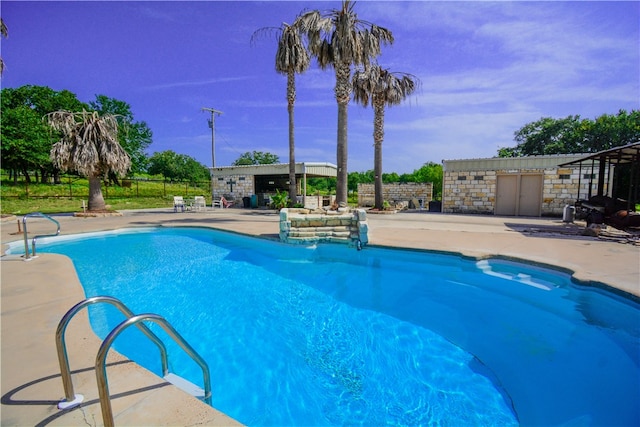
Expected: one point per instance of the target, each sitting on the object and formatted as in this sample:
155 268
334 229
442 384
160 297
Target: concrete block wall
396 193
302 226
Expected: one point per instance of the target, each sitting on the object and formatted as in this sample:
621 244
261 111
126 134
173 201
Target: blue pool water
329 335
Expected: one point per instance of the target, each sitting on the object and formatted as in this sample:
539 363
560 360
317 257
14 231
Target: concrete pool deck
36 294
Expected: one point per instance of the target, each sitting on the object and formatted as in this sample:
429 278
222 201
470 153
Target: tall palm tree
90 147
382 88
339 39
291 57
4 32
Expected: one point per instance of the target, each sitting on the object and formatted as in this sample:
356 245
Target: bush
280 200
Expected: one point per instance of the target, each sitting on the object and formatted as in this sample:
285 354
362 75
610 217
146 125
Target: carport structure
244 181
611 160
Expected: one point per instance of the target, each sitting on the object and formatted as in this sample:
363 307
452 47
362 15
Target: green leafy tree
321 185
165 163
355 178
292 58
340 39
387 178
25 141
380 88
609 131
256 158
547 136
135 137
194 171
406 177
89 146
573 135
26 138
430 172
175 166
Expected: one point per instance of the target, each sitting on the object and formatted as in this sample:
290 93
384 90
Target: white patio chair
178 202
218 203
199 203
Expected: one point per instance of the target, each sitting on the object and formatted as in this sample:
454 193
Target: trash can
568 214
246 202
254 201
435 206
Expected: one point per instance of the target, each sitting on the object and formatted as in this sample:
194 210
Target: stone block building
260 182
517 186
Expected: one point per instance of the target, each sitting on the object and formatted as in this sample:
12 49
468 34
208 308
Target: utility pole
212 125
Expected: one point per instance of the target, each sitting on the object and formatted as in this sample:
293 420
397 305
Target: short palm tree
291 57
90 147
339 39
382 88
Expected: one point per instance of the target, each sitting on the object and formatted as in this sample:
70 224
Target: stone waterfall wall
302 226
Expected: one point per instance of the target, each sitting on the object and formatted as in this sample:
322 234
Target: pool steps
72 400
185 385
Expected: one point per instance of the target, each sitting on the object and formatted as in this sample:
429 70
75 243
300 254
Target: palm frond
89 143
264 32
377 85
341 37
291 55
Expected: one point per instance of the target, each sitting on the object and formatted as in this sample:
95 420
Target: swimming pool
328 335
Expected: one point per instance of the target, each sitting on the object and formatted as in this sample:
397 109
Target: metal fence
73 187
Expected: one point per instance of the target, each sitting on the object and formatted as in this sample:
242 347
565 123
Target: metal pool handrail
71 399
33 243
101 369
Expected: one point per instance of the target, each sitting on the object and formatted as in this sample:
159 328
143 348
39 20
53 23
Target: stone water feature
304 226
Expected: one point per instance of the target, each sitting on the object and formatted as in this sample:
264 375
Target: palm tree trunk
96 201
343 93
378 137
341 154
291 96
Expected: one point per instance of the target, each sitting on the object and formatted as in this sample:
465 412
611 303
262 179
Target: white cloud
190 83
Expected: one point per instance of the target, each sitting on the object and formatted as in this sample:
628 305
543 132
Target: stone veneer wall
242 187
477 193
302 226
396 193
317 202
470 195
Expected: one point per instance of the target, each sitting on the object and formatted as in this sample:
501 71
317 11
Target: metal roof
308 168
629 153
506 163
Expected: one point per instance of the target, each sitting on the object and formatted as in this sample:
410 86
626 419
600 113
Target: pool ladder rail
71 399
28 257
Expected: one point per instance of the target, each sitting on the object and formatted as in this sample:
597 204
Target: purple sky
487 69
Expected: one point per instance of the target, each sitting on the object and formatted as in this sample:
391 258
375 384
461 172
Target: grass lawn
19 198
60 205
